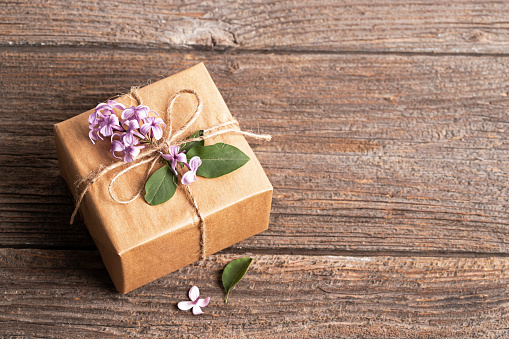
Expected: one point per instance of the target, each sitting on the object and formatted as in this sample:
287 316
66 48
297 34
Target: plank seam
233 51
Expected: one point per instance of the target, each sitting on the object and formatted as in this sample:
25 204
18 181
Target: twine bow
152 153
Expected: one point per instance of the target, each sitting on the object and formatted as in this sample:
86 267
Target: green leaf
188 145
233 272
218 159
161 186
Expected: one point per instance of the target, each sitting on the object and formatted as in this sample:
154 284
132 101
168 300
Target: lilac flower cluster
134 131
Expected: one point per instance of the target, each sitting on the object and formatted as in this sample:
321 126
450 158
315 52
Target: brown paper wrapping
138 242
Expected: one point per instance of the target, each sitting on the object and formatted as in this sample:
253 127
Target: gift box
139 242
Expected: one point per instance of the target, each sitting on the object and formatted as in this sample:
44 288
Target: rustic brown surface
454 26
290 295
389 162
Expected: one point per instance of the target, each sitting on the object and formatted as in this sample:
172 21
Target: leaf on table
218 159
188 145
161 186
233 272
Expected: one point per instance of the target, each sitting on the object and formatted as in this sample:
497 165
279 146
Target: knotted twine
152 152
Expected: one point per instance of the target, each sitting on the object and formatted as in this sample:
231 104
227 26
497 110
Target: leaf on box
188 145
161 186
233 272
218 159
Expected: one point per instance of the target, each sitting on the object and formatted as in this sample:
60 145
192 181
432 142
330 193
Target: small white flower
195 303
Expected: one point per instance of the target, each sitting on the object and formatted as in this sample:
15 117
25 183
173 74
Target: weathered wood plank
68 293
454 26
370 153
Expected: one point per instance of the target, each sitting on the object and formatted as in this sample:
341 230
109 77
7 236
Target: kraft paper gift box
139 242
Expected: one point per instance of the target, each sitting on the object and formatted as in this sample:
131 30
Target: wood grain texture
390 165
370 153
53 294
455 26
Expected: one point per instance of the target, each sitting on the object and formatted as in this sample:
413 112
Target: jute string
151 155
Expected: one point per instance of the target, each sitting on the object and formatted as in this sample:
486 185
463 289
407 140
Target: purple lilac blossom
95 118
174 157
151 127
126 145
108 124
107 108
94 134
190 176
103 116
136 113
132 128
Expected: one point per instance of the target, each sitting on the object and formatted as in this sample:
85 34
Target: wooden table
390 166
